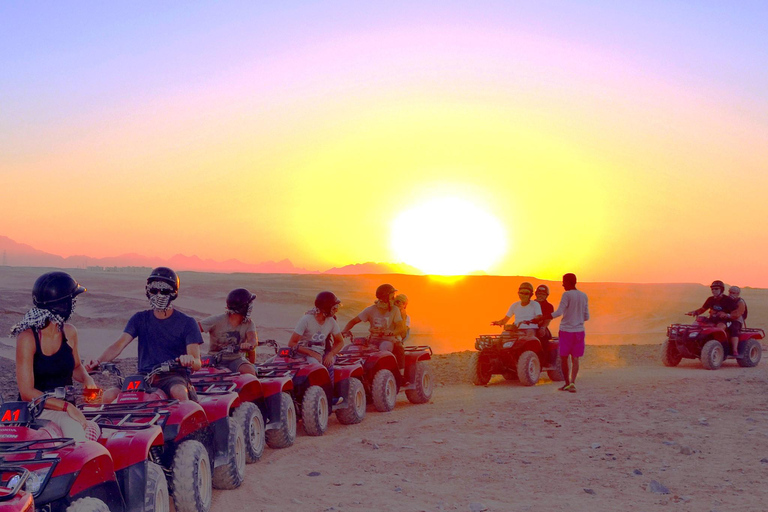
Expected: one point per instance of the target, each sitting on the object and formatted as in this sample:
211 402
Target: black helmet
325 302
384 291
165 275
238 301
718 284
54 291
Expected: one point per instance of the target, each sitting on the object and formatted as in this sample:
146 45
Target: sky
622 141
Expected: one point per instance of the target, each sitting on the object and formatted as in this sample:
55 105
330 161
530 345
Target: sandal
566 387
572 388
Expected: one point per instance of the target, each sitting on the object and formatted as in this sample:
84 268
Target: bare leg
735 343
179 392
247 368
566 370
574 368
110 395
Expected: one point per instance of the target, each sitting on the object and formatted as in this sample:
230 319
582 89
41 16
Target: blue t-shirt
161 340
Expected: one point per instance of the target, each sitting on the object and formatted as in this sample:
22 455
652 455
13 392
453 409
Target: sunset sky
623 141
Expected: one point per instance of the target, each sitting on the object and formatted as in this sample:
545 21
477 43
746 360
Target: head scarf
37 318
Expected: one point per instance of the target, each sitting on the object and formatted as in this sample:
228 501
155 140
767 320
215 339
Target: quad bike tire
528 368
250 419
314 411
88 505
191 481
424 382
284 436
477 373
753 351
384 390
156 496
669 354
232 474
354 412
556 375
712 355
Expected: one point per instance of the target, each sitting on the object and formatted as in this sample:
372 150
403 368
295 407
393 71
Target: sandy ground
636 436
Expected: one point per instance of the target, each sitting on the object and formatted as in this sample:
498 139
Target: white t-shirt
313 335
524 313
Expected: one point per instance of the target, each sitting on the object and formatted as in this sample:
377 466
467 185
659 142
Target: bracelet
66 406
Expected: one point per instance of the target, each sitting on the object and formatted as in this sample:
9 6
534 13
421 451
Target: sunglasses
155 291
523 293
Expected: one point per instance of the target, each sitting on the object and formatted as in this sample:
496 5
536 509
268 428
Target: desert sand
636 435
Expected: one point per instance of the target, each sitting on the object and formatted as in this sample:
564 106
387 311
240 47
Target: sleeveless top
55 370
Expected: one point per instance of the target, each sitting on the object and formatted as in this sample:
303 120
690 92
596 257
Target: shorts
572 343
69 427
734 329
233 365
165 381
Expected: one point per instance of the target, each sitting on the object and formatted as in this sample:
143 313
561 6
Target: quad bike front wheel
712 355
284 436
232 474
528 368
753 351
670 356
424 383
384 390
88 505
191 469
314 411
156 497
479 373
354 412
250 419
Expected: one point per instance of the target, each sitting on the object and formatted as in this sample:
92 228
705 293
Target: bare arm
192 358
350 325
502 321
112 351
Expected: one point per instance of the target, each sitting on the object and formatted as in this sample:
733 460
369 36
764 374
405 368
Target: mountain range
16 254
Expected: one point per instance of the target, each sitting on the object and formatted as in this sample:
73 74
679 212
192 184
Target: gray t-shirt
313 334
382 322
574 308
224 335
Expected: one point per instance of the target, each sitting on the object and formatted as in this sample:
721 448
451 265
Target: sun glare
448 236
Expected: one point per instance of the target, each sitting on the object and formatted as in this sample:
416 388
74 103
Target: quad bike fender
319 377
382 361
131 447
186 418
345 372
414 356
94 474
82 455
523 344
713 333
249 387
218 406
752 334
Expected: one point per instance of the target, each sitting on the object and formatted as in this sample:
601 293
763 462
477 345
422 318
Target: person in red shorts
574 309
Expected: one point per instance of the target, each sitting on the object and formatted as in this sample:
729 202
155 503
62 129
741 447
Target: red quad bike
705 341
270 392
382 377
198 438
514 356
42 469
312 392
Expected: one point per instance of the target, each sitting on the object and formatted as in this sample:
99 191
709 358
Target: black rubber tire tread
528 368
556 375
355 411
250 419
232 474
384 390
88 505
712 355
192 491
313 414
284 436
669 354
475 376
156 496
425 384
753 351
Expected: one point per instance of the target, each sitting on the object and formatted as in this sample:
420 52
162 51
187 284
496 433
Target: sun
448 236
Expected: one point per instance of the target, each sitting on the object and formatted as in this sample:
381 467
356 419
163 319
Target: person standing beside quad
719 306
574 309
385 320
525 311
233 329
47 351
164 334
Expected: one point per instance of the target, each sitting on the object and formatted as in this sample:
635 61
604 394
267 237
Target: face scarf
158 301
37 318
247 314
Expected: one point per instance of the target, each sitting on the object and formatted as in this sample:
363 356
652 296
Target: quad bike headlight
693 334
35 480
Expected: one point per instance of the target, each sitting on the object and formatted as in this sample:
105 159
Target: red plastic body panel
217 407
93 462
129 447
22 502
190 416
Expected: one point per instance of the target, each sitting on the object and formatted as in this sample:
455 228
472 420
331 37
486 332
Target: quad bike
203 446
514 356
706 341
313 393
383 378
42 469
270 392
